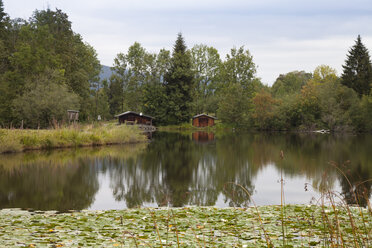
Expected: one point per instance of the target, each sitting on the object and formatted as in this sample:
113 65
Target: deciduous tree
206 65
290 83
46 99
237 87
264 106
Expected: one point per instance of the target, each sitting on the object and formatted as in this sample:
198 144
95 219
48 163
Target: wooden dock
146 128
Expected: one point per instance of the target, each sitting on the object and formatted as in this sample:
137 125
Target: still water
203 169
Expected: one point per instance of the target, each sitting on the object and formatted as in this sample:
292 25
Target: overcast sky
282 36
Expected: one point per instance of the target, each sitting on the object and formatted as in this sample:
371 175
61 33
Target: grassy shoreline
305 226
18 140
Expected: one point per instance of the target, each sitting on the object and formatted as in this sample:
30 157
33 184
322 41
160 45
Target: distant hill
106 72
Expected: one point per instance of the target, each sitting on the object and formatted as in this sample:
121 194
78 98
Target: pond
183 169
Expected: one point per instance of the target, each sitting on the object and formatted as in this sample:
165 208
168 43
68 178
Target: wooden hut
203 120
72 115
131 118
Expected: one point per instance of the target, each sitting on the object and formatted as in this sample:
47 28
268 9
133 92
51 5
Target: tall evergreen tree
179 84
3 15
357 72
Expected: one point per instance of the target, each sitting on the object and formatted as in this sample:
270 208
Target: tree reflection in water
177 169
48 187
356 184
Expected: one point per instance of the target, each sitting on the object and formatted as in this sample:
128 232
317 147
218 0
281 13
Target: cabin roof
199 115
135 113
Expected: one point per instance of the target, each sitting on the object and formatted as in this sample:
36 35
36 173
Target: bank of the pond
17 140
188 127
302 226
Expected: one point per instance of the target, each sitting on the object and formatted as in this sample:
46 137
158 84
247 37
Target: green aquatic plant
183 227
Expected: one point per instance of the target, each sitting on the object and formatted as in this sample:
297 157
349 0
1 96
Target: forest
46 69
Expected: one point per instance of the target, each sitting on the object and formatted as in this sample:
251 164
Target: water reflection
188 169
203 137
47 186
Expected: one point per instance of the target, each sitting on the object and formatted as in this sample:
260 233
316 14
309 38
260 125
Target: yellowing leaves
199 226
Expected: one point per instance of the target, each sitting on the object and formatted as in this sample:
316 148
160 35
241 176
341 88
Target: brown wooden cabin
203 120
131 118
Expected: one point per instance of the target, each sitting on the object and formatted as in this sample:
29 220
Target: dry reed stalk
156 227
356 197
175 226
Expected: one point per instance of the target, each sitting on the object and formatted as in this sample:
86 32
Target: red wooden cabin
203 120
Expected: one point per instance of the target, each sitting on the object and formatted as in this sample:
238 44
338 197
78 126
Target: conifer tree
179 84
357 72
4 22
2 13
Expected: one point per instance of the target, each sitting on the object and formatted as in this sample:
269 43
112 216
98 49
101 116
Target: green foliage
101 101
155 102
2 13
324 74
331 103
357 72
46 100
238 68
154 92
264 107
131 72
137 84
4 22
32 49
237 88
234 105
206 65
337 105
290 83
44 58
179 84
4 19
288 114
362 115
322 103
116 95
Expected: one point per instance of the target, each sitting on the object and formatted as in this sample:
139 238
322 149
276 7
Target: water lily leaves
187 227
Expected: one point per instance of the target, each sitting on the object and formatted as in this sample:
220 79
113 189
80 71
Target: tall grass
17 140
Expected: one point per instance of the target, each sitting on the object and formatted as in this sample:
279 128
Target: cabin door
203 122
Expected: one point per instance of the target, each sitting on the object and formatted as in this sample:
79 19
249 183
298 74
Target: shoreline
303 225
